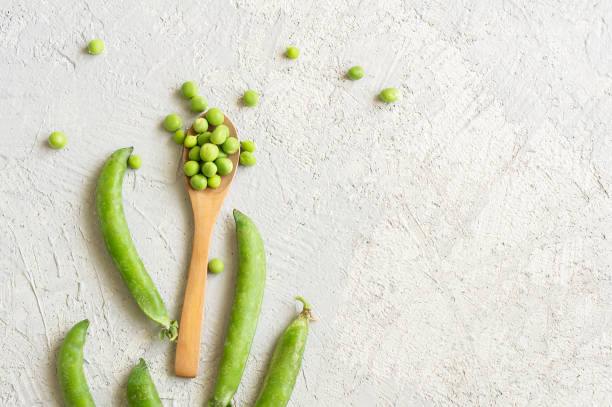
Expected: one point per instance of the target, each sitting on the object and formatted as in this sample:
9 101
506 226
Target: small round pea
191 168
179 137
204 138
231 145
247 145
224 166
214 181
388 95
215 266
222 154
355 73
200 125
209 152
198 104
190 141
173 122
293 52
215 116
95 47
198 182
134 161
209 169
57 140
247 158
250 98
189 90
219 134
194 153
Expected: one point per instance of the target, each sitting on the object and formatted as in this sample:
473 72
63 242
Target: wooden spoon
206 205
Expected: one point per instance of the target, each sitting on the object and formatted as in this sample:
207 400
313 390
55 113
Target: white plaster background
456 245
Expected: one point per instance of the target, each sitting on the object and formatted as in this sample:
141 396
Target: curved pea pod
141 391
70 368
120 246
245 310
286 361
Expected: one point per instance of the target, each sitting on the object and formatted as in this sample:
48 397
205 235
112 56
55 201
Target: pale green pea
189 90
215 116
198 182
134 161
194 153
247 145
250 98
204 138
214 181
355 73
247 158
200 125
293 52
224 166
388 95
215 266
191 141
57 140
179 137
209 169
191 168
198 104
219 134
95 47
173 122
209 152
231 145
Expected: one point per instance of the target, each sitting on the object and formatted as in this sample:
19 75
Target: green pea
173 122
200 125
293 52
209 169
214 116
189 90
224 166
215 266
191 141
95 47
57 140
198 104
209 152
194 153
246 307
141 391
214 181
198 182
191 168
204 138
247 145
222 154
121 247
73 383
134 161
355 73
179 137
231 145
250 98
388 95
247 158
219 134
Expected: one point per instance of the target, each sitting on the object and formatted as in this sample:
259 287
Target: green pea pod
245 310
141 391
120 246
286 361
70 368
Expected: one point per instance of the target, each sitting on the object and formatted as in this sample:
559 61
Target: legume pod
70 368
141 391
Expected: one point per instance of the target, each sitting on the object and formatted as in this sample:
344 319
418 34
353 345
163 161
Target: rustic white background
456 245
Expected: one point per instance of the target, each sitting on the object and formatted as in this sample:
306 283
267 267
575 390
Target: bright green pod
120 246
73 384
141 391
245 310
286 361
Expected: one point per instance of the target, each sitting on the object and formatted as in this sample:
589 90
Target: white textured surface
456 245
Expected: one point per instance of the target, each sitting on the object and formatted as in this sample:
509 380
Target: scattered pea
204 138
219 134
191 168
215 116
209 169
173 122
388 95
293 52
57 140
250 98
95 47
209 152
355 73
189 90
200 125
247 158
191 141
134 161
224 166
179 137
231 145
247 145
198 104
194 153
198 182
214 181
215 266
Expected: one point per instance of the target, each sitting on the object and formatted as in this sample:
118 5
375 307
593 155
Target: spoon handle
190 328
